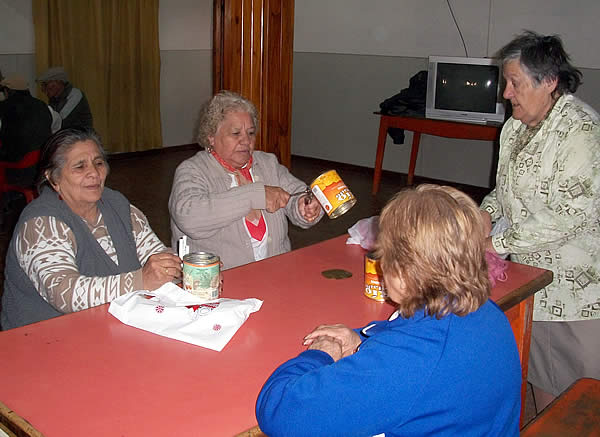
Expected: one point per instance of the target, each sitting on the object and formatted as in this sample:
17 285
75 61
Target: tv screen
463 87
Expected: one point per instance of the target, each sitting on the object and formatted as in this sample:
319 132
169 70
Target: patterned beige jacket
46 249
548 188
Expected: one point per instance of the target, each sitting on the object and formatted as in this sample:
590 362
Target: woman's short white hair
216 109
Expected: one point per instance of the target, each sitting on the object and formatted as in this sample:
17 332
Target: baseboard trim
150 152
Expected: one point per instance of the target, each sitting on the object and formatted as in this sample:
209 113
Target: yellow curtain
110 50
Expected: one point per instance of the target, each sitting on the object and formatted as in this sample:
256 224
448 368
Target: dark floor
145 179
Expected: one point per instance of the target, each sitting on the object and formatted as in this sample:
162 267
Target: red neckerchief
257 231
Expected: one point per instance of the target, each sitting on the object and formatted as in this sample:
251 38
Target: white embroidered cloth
177 314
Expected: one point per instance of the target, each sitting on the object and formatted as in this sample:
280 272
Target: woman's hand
276 198
489 246
349 340
487 222
329 345
309 207
159 269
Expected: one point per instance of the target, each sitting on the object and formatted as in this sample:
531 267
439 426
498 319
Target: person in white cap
68 101
25 126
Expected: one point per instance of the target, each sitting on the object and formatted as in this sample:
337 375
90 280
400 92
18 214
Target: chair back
29 160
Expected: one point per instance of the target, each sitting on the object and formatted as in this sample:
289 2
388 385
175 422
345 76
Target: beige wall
349 55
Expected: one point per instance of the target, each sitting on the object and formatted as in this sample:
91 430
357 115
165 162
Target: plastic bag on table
364 232
180 315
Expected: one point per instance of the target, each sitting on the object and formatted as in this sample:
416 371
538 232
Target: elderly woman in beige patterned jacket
79 244
231 200
546 206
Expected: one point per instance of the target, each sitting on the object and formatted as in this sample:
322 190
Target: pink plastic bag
496 267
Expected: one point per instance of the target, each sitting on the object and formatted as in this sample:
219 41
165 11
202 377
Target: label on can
202 274
374 287
332 193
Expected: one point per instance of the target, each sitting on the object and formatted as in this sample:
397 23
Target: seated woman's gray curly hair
214 111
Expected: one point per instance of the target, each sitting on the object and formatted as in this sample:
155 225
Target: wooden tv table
429 126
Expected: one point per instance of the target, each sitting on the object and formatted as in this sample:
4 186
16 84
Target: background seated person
446 361
69 102
25 124
79 244
230 199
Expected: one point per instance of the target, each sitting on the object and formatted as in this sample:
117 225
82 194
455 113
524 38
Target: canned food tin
201 274
374 287
332 193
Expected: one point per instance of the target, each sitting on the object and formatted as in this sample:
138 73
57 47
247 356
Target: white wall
16 40
412 28
185 34
186 66
350 55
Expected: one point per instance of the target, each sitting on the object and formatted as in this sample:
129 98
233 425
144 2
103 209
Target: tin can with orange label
332 193
374 287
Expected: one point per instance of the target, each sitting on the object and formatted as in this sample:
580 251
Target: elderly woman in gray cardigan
231 200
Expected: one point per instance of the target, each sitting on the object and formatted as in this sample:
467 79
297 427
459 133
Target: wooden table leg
413 157
383 127
521 318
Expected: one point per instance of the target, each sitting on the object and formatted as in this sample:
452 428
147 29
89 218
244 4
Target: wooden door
252 55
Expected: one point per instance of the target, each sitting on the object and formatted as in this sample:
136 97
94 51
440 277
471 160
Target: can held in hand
332 193
202 274
374 287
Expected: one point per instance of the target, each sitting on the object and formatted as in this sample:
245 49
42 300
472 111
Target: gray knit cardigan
205 207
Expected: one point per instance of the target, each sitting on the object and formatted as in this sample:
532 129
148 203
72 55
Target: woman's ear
52 184
551 84
211 141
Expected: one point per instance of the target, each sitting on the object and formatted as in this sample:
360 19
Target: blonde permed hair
214 111
432 238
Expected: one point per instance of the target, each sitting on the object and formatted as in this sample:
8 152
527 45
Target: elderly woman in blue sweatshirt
444 364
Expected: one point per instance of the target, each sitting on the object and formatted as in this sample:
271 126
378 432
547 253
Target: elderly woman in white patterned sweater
232 200
79 244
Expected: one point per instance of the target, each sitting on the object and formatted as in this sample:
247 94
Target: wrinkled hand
276 198
349 340
329 345
309 211
160 269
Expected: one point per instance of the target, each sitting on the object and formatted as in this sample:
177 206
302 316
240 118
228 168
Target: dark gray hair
54 153
214 111
543 58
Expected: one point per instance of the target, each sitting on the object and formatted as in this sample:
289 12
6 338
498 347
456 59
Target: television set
464 89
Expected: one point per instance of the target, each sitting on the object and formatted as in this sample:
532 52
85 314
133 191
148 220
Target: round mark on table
336 274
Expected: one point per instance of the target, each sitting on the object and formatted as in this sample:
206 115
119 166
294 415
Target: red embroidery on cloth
216 327
256 231
159 308
207 307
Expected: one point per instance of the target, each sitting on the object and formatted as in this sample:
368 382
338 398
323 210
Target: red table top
88 374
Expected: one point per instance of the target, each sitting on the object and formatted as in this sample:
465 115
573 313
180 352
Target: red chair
28 160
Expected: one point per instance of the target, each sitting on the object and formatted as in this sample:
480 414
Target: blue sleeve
313 395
